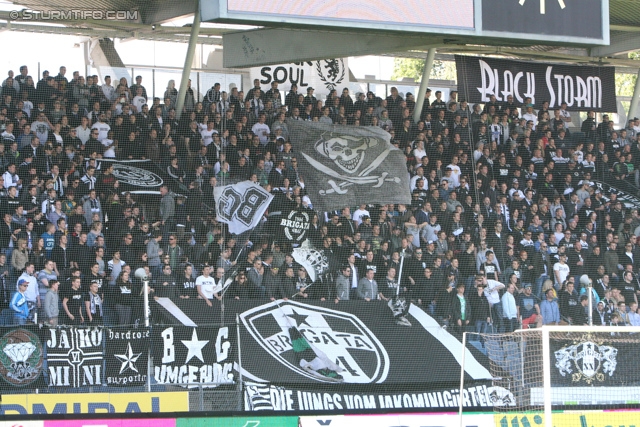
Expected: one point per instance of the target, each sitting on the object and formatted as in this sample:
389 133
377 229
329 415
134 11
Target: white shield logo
342 337
588 359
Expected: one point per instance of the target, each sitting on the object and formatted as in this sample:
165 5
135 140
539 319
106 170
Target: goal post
562 375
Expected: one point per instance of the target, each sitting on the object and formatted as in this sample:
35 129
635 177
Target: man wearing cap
529 308
19 304
310 99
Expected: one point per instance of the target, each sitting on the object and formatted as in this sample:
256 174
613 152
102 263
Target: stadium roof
168 20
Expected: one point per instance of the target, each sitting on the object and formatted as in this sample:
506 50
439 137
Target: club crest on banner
296 226
331 72
136 176
500 396
313 260
21 357
338 340
586 361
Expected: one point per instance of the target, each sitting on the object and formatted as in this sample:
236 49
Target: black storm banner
187 356
347 165
581 87
126 353
75 357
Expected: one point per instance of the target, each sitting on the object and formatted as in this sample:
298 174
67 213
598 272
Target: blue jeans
496 316
19 319
481 326
510 324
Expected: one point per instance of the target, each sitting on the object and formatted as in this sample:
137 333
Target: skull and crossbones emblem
347 152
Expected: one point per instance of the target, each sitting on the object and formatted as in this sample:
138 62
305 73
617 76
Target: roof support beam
188 62
424 84
281 46
619 44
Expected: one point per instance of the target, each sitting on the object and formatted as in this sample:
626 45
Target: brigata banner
187 356
581 87
126 355
353 354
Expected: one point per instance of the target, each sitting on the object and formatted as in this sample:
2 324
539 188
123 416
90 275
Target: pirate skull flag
348 165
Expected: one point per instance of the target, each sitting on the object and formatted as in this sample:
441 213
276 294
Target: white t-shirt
533 117
207 136
103 129
207 285
563 271
109 151
138 102
27 106
83 134
454 179
492 291
262 130
42 130
357 215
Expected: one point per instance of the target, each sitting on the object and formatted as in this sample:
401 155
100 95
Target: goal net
563 375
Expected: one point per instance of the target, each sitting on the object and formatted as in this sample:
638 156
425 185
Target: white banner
241 205
322 75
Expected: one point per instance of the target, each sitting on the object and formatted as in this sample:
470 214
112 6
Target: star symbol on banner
300 319
195 347
128 359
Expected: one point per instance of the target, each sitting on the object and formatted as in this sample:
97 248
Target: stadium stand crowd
504 225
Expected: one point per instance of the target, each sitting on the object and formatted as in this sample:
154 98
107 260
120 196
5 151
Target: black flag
347 165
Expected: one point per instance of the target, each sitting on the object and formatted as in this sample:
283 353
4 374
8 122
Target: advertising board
94 403
238 422
406 420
